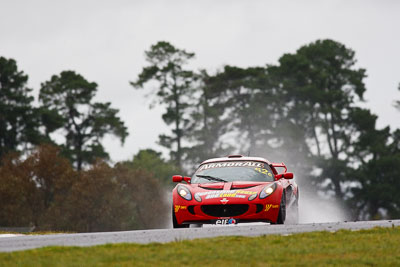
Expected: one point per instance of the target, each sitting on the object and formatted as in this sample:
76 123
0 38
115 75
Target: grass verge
379 246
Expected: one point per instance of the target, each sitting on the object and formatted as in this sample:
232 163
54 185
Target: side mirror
286 175
179 178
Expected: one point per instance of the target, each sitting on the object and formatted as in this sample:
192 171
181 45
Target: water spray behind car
314 205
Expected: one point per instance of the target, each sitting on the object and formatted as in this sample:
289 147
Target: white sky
105 42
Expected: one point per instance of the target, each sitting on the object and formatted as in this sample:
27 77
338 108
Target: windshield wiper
212 178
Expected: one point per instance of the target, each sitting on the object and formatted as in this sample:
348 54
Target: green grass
380 246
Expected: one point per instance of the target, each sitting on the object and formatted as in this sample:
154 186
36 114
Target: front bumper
208 212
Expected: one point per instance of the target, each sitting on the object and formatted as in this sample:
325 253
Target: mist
315 206
167 220
315 209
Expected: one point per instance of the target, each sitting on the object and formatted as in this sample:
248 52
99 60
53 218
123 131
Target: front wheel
282 210
175 223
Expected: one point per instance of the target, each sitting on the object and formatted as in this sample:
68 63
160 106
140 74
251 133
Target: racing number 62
263 171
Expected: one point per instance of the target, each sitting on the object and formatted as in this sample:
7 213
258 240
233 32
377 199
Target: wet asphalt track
8 244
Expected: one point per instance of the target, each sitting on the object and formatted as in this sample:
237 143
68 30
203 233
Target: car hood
228 185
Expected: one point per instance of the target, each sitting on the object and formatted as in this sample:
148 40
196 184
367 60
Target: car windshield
231 171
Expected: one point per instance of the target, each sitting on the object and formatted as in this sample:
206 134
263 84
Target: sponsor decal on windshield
226 193
231 164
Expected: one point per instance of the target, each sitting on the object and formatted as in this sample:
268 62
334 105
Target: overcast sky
105 42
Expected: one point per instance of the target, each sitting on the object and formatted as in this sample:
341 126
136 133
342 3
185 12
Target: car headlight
184 192
252 197
197 197
268 190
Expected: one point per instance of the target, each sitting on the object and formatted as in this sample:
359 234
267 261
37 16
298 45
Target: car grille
225 210
191 209
259 208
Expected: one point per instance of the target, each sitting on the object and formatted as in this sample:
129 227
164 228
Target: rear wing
279 165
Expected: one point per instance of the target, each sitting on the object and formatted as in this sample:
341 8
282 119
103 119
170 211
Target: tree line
44 191
65 105
54 173
305 110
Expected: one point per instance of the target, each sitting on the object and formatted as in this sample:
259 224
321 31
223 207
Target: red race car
235 189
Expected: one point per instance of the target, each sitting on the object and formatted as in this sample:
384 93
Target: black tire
175 223
282 210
